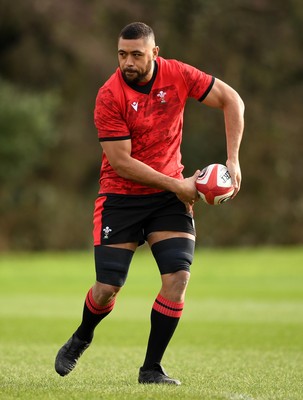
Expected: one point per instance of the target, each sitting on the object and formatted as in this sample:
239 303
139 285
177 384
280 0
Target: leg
112 264
99 302
174 286
174 256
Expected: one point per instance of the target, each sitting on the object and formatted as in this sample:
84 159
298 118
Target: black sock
165 316
92 315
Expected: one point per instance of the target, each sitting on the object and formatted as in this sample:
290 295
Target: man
143 195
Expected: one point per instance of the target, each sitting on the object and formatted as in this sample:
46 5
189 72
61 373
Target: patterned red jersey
151 116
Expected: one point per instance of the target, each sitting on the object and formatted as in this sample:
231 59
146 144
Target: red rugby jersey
151 116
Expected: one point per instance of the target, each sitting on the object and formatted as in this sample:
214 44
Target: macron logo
135 105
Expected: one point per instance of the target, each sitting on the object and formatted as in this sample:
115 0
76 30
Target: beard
132 75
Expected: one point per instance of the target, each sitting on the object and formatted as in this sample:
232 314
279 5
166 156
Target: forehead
130 45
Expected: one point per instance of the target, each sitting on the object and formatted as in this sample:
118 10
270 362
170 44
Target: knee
174 285
182 278
179 278
103 293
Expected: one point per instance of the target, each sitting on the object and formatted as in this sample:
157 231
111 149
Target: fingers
236 183
196 174
189 207
235 174
189 194
236 190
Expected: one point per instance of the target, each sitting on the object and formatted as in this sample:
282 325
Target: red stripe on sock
167 307
96 308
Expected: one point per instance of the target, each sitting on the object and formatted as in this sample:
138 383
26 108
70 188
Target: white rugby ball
214 184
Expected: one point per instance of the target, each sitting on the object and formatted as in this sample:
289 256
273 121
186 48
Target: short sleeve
198 82
108 118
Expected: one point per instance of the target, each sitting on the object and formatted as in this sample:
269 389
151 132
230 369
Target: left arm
224 97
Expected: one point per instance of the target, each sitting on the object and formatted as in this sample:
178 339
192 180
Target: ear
156 50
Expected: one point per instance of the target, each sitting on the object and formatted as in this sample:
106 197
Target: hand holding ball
214 184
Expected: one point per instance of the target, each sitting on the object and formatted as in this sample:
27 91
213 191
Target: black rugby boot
69 354
156 375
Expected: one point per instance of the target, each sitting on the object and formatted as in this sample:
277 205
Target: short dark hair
136 30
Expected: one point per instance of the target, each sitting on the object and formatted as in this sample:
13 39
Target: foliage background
54 56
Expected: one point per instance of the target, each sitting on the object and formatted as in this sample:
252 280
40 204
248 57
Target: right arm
118 153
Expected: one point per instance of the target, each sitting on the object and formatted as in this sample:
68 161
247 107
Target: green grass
240 337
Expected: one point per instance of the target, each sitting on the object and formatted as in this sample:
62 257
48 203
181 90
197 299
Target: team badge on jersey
162 95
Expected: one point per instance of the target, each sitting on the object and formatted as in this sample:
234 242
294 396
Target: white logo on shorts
106 231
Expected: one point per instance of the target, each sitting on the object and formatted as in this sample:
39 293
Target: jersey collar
145 89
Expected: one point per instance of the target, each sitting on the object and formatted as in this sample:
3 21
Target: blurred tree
27 136
26 126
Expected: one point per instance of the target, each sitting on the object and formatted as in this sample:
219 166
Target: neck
148 77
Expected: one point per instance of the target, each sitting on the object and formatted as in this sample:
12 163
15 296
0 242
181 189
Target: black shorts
130 218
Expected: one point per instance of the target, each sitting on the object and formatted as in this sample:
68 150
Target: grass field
240 337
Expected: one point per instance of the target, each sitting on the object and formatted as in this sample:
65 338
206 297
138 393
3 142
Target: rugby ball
214 184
